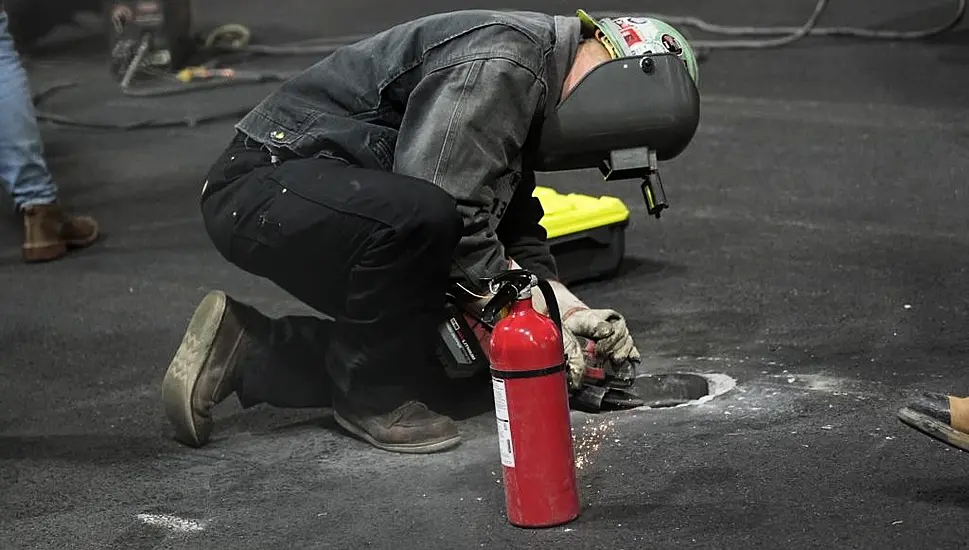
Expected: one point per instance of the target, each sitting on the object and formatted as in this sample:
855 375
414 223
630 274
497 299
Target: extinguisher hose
553 307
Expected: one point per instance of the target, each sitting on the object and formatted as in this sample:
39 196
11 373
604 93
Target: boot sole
183 372
410 448
44 253
48 252
934 428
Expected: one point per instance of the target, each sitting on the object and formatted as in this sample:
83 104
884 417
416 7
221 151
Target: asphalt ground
813 255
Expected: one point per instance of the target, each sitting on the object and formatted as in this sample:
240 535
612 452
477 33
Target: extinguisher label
504 442
501 399
504 426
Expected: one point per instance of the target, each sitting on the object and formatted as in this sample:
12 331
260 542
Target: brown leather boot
49 232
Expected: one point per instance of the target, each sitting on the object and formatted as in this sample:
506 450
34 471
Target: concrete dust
860 389
172 523
812 382
718 384
598 430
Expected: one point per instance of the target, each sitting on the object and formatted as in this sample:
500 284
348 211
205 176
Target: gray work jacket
449 98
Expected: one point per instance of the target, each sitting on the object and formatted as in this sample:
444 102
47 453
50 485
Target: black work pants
371 250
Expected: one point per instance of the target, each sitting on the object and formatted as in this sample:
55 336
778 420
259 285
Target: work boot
944 417
204 370
49 232
410 428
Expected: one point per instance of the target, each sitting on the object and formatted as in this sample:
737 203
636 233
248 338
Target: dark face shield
622 118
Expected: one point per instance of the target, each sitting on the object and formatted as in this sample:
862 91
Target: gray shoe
204 367
410 428
932 414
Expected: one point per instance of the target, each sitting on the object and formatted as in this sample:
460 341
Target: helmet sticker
624 22
672 45
631 36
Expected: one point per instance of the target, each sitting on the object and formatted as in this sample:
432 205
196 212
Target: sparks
590 439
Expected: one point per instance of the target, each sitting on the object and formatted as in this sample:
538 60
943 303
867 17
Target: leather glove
575 360
605 327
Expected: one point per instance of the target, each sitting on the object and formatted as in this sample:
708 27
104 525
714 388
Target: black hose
553 308
235 39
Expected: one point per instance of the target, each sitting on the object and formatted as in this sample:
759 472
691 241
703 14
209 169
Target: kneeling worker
365 187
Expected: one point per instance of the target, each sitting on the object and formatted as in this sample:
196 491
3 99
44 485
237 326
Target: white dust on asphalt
172 523
599 431
762 396
717 384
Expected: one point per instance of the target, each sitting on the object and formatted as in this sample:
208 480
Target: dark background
815 251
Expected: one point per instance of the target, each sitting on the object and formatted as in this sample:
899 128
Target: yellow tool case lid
574 213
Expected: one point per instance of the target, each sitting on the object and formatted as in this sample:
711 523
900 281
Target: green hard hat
635 36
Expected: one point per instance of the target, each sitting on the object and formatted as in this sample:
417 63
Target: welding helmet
637 36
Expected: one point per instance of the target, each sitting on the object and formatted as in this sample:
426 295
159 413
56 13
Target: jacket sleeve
463 129
522 234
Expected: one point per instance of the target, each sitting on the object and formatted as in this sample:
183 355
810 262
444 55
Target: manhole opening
670 390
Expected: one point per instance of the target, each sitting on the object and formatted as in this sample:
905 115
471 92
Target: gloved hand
575 360
574 352
605 327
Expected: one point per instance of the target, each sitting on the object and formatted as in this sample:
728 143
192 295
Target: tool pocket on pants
276 225
246 213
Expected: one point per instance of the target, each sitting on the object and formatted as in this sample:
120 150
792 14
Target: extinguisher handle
505 289
504 296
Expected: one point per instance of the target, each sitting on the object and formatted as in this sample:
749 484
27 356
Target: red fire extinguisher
532 409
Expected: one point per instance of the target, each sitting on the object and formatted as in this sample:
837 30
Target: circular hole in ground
654 391
679 388
670 390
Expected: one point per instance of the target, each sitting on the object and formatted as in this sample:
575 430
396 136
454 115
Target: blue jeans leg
22 167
